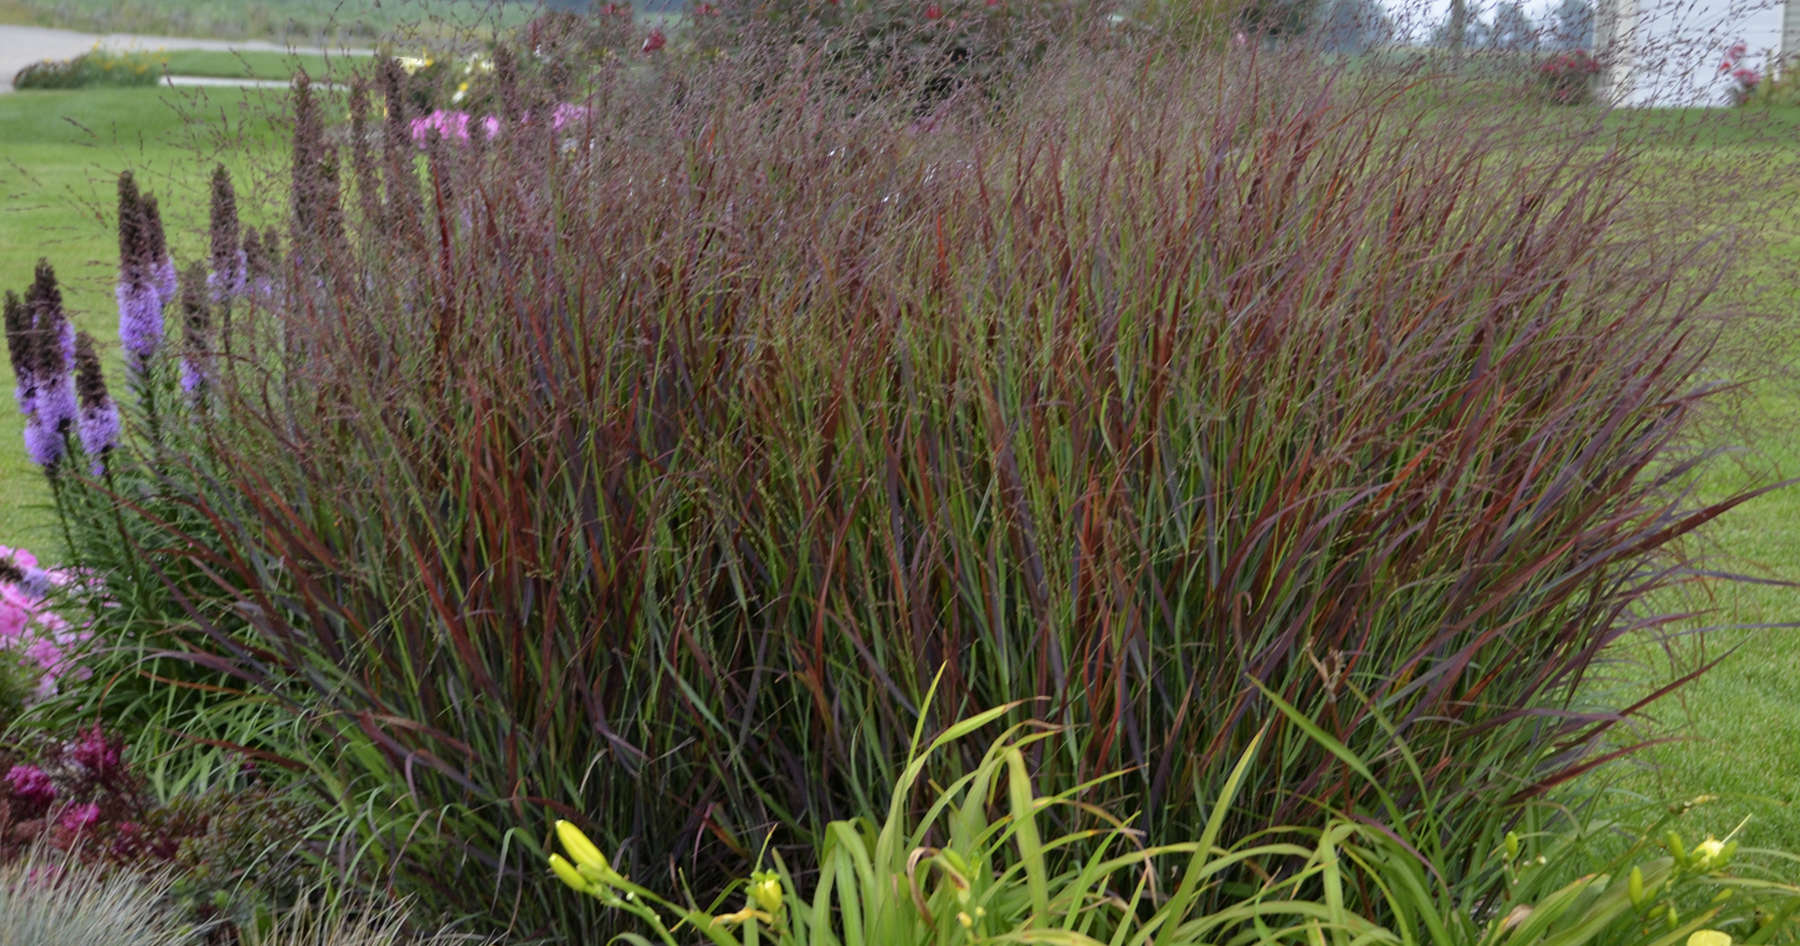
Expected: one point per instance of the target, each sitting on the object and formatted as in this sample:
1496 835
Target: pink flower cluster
1733 65
450 125
30 629
457 126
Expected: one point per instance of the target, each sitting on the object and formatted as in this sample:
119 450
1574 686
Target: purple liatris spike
133 241
98 427
227 245
165 280
140 321
54 401
156 252
196 319
42 443
21 339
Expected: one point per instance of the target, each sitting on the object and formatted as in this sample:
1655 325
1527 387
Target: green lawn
300 21
64 151
1738 729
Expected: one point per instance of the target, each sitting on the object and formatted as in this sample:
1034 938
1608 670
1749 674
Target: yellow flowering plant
975 869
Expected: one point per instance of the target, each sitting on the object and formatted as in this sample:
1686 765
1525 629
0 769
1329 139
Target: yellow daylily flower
765 890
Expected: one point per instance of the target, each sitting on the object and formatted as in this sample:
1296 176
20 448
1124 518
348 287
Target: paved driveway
20 46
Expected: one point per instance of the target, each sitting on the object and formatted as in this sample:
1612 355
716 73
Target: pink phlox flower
441 123
566 114
655 41
79 817
491 125
20 557
16 612
1746 77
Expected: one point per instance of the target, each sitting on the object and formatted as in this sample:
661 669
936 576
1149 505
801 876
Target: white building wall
1667 52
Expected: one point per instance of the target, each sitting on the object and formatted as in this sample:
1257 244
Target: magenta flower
20 557
31 786
79 817
91 750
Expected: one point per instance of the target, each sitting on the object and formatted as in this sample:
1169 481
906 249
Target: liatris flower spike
21 336
140 303
228 252
51 396
162 265
196 319
99 425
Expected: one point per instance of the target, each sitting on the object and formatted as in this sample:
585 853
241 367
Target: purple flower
31 786
164 279
192 377
99 430
99 423
35 581
140 321
55 407
49 394
42 443
21 351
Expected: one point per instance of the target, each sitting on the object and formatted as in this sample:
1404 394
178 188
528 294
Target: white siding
1667 52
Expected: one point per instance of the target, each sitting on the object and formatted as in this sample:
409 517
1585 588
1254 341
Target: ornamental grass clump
645 477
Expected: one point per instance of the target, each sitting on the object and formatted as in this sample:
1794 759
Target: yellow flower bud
1712 854
1512 846
580 848
1634 885
966 920
1709 938
567 873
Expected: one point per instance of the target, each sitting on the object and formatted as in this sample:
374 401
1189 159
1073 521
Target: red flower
933 11
655 41
707 9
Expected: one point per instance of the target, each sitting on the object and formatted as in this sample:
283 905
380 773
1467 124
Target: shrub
96 68
1568 77
645 472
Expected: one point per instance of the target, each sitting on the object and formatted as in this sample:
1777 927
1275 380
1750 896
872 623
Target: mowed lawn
60 156
1735 733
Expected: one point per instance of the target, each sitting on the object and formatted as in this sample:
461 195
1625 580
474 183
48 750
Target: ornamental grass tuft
644 472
